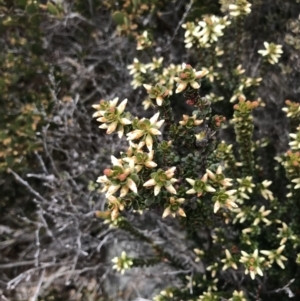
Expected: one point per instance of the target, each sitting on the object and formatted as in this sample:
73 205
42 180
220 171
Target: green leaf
119 18
31 9
135 3
22 3
149 201
9 160
52 9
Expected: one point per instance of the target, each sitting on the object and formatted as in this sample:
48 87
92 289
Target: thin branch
16 264
34 297
187 10
26 184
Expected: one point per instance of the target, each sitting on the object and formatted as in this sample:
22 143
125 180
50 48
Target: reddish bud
190 102
289 152
122 177
107 172
183 75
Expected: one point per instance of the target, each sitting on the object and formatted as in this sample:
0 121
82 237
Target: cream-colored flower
199 186
190 121
228 261
212 97
157 92
224 199
145 129
147 103
115 205
275 255
218 177
246 184
295 145
213 269
292 109
285 233
161 179
112 116
242 7
238 296
210 28
143 41
272 52
252 263
266 193
251 81
210 73
297 182
208 296
174 207
238 94
141 160
261 216
190 35
105 182
136 67
188 76
163 295
155 64
122 176
241 215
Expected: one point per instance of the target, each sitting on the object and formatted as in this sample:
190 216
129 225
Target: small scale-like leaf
149 201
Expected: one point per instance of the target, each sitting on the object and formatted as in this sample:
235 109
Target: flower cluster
122 176
188 76
206 33
245 188
122 263
143 41
191 34
210 28
292 109
138 71
295 145
112 116
145 130
241 7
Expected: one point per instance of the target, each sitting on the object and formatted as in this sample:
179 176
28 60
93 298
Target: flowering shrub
180 171
183 171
